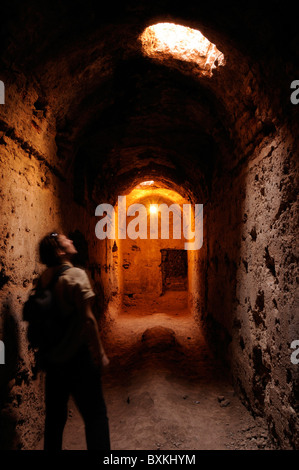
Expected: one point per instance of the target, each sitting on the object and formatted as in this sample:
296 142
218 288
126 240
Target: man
73 365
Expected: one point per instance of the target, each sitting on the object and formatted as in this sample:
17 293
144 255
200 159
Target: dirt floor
164 391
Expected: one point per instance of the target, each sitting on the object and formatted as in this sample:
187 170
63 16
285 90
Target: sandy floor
164 391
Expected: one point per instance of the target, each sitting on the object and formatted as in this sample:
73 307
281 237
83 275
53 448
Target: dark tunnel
94 110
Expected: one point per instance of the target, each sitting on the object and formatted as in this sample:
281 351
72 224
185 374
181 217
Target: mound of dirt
159 338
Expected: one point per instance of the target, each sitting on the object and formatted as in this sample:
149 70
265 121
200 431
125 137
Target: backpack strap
59 273
54 278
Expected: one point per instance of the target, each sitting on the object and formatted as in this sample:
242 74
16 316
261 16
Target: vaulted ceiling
121 116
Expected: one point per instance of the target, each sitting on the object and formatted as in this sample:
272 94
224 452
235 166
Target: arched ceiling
122 116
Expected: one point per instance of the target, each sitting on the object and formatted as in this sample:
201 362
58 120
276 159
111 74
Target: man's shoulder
73 269
74 273
76 280
67 275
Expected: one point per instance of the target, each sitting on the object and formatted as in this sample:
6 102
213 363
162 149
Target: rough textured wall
77 101
252 280
35 199
29 208
142 261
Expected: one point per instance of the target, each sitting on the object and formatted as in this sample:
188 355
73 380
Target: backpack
41 311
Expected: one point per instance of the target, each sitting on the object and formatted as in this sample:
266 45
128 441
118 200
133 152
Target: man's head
56 248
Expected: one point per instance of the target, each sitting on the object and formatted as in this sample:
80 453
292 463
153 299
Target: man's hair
48 248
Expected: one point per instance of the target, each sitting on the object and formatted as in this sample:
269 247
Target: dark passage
98 106
174 269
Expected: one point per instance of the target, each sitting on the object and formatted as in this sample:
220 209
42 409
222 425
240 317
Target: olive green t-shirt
72 290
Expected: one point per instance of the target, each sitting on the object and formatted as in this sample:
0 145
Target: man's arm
93 337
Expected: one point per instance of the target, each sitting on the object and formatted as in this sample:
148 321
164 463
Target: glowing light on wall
147 183
153 209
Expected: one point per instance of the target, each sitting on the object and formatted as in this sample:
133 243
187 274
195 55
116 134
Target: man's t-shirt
72 290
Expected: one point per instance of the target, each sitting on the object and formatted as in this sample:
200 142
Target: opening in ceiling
164 41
